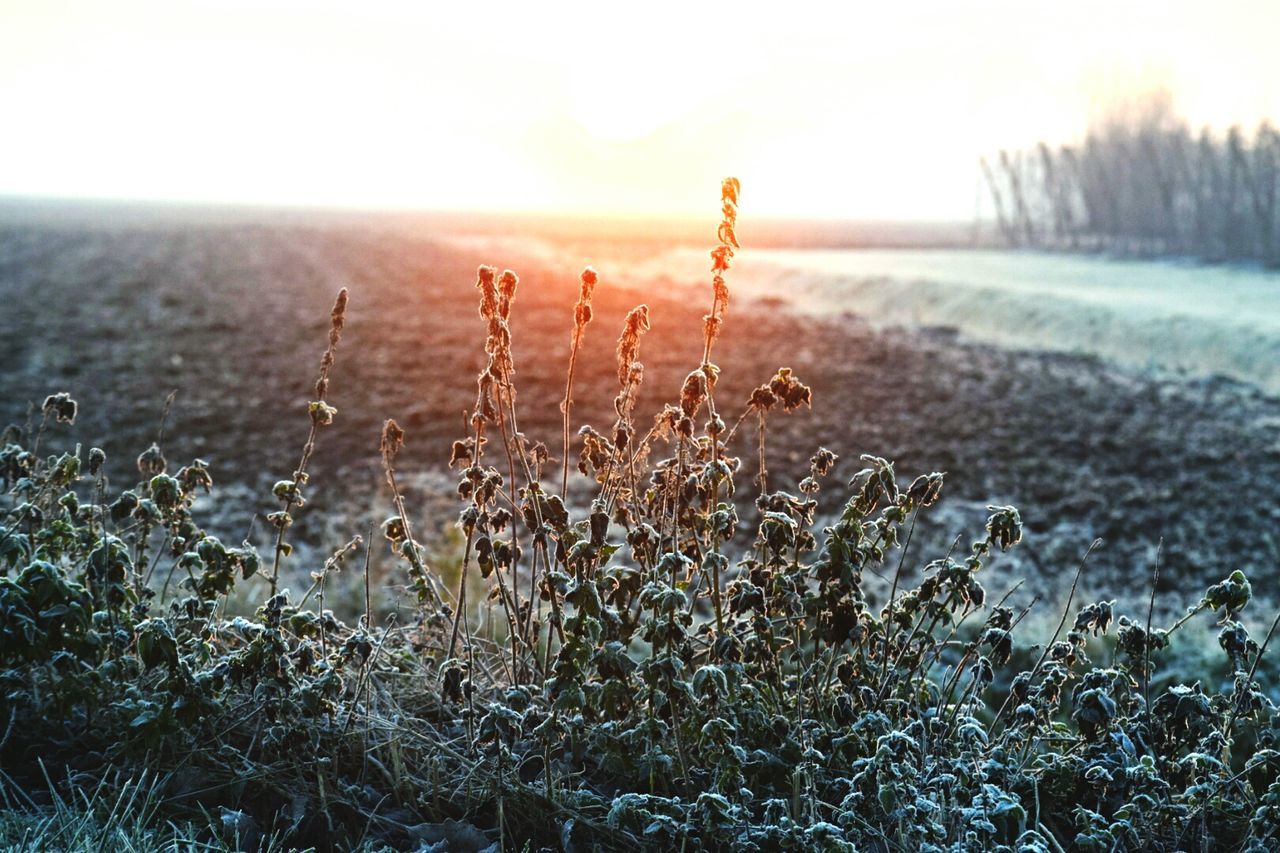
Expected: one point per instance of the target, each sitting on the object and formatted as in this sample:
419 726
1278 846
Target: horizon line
354 208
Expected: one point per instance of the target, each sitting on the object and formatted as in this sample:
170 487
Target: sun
621 91
623 105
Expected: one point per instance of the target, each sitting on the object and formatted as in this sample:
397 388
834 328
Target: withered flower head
60 407
924 490
694 392
822 461
729 189
97 458
392 439
485 276
790 390
338 316
460 454
582 310
507 283
507 288
636 324
151 462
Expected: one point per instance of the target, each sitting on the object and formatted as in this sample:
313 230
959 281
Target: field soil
232 314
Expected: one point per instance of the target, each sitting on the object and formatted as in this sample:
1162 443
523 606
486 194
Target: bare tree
1141 183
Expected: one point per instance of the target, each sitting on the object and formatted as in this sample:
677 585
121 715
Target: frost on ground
1186 318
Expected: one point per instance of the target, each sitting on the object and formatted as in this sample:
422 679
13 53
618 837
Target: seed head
151 462
622 435
762 398
711 328
461 454
485 411
924 490
822 461
582 310
538 454
507 289
694 392
721 290
337 320
197 476
338 317
664 423
507 284
392 439
596 450
636 324
720 257
394 530
60 407
485 276
786 388
729 189
321 412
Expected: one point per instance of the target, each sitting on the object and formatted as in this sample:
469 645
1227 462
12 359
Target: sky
838 110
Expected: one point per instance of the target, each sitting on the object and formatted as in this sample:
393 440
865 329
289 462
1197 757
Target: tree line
1143 183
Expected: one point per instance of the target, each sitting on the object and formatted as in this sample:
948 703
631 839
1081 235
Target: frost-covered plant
677 662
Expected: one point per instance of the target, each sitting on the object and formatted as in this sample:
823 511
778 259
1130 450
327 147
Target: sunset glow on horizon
862 112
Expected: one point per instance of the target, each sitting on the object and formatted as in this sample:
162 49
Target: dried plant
581 317
289 492
660 674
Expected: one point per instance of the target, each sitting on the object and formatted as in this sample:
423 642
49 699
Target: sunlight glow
860 111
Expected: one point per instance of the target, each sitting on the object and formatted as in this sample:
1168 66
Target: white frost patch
1195 319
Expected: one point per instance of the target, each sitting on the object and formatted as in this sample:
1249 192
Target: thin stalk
581 316
1066 611
565 407
321 414
1235 710
1146 651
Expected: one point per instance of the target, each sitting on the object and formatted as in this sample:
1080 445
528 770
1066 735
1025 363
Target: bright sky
851 110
